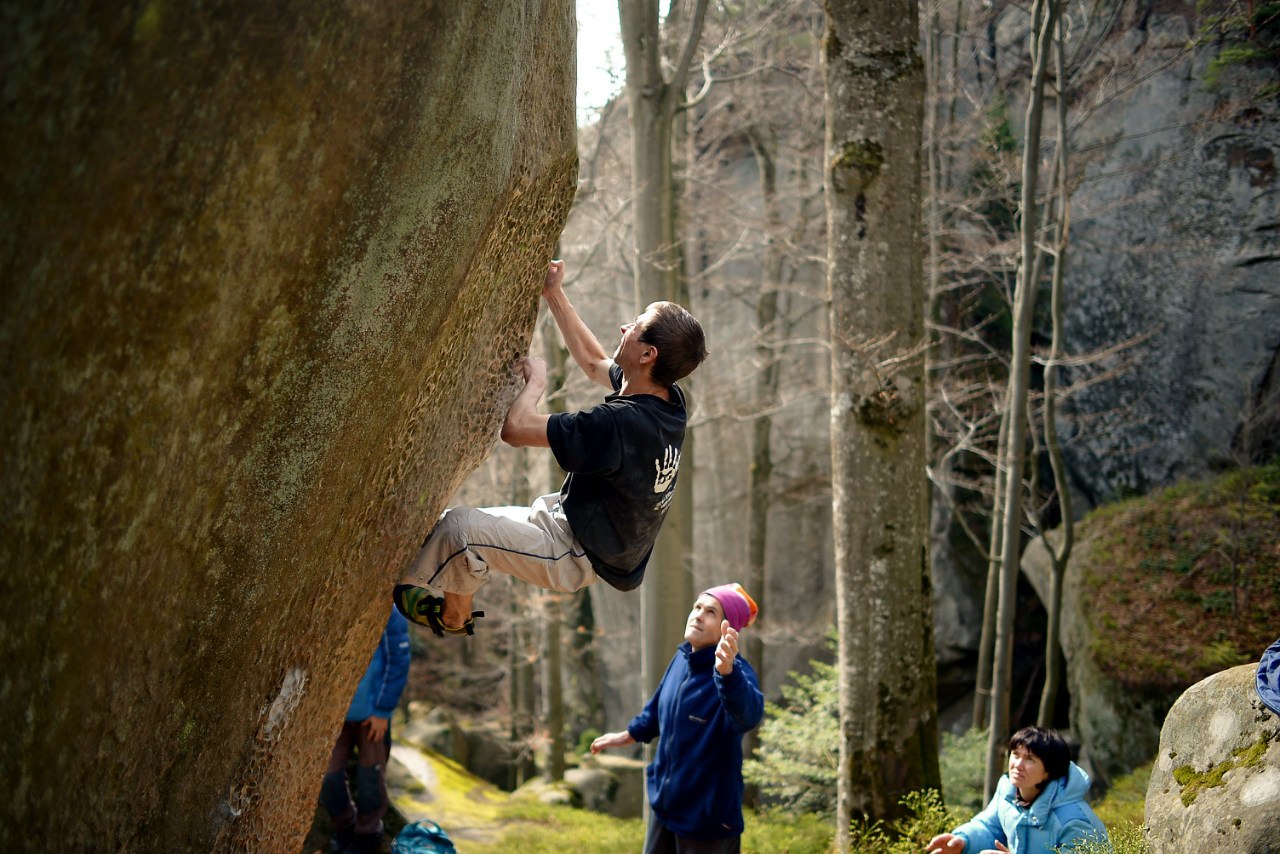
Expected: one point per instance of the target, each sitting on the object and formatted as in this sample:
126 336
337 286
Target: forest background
1152 177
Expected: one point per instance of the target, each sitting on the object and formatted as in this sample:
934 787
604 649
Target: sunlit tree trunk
1044 13
874 109
552 663
1061 550
653 101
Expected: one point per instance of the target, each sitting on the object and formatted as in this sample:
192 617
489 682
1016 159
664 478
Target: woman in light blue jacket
1038 807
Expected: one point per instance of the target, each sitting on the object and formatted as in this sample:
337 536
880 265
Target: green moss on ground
486 820
1184 583
530 827
1125 802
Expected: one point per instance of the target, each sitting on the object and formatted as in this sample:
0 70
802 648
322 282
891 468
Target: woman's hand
945 843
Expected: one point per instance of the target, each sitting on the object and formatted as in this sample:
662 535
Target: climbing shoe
419 606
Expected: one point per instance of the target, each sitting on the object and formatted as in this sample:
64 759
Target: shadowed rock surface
264 271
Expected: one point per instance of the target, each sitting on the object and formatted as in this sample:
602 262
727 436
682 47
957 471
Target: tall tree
1060 551
552 663
1044 13
653 100
874 109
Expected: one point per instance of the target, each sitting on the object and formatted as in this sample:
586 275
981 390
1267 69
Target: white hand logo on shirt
666 469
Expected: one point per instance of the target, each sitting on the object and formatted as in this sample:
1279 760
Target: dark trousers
364 814
659 840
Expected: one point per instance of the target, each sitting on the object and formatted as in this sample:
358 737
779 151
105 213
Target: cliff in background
1175 241
1171 284
264 271
1174 227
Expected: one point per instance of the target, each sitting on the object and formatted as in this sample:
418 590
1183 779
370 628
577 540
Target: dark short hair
1049 747
679 339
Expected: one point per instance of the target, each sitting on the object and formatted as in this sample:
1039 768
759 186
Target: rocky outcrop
483 749
1119 728
1215 786
610 784
603 783
1174 224
1175 246
265 268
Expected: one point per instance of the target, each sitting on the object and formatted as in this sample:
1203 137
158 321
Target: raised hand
727 649
554 280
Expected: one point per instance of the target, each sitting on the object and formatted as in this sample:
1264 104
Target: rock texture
1174 247
1215 786
1175 243
264 269
1118 728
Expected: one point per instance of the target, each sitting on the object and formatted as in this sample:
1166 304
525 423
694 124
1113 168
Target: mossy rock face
265 269
1147 604
1215 786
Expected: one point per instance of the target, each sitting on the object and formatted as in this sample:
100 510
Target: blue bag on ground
1268 680
422 837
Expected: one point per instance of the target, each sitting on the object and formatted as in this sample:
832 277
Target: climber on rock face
622 457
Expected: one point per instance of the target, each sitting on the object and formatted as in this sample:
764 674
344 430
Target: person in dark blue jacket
708 698
367 731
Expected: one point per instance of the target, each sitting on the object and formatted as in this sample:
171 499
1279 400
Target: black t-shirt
622 457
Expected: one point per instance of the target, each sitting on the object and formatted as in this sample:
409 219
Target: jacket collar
698 659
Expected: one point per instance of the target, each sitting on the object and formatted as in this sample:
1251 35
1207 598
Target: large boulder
1119 728
264 270
1215 786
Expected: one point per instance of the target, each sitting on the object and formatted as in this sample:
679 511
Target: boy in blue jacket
1038 807
367 730
708 698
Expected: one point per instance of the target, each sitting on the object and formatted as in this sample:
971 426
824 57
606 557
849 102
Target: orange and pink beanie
739 608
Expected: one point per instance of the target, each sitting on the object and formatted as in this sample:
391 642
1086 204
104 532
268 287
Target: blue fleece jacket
379 690
699 717
1058 818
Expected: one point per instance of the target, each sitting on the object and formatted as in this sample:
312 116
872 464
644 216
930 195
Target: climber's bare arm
582 343
524 426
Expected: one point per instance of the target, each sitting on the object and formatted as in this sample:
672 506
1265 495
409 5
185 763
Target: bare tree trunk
874 105
1061 552
553 696
766 397
653 101
1043 16
987 639
520 671
553 667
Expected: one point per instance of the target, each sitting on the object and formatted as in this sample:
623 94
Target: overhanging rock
265 268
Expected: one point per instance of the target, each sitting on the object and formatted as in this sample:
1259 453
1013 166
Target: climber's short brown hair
679 339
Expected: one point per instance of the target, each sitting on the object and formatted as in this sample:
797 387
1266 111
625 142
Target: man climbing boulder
622 457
